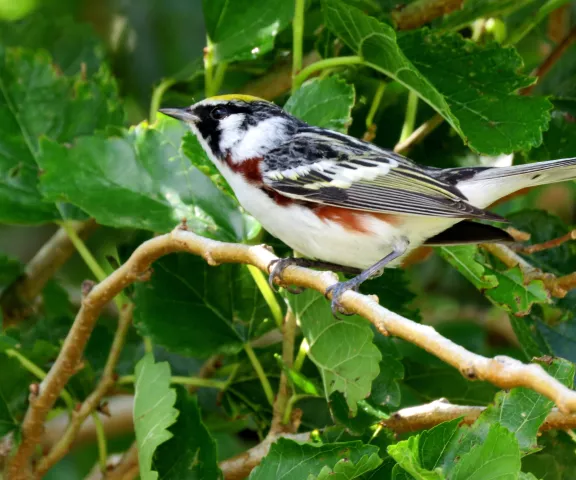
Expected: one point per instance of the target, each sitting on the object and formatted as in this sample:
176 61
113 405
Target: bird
343 203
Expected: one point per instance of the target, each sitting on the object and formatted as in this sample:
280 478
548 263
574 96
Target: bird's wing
337 170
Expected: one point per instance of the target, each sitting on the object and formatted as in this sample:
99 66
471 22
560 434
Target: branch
502 371
421 12
91 403
419 134
41 268
431 414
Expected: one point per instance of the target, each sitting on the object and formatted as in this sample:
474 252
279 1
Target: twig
207 370
421 12
419 134
501 371
555 242
431 414
549 62
240 466
92 403
127 463
53 254
282 399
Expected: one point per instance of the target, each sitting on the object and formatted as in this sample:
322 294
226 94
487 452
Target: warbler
344 203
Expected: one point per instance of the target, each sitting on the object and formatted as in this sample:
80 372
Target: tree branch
502 371
91 403
41 268
421 12
419 134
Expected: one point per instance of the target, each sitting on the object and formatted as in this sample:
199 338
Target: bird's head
237 127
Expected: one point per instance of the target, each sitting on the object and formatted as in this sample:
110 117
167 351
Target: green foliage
81 139
154 411
291 460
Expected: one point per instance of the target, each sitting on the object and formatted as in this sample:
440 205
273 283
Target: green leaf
139 179
514 294
243 29
352 370
522 410
208 309
464 259
73 46
36 101
376 43
154 411
497 457
10 270
559 141
347 470
507 289
325 102
406 453
480 84
434 443
191 452
288 460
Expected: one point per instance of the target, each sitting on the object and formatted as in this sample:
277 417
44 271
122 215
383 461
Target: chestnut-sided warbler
343 202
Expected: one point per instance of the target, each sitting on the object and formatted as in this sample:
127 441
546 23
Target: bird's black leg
278 266
375 270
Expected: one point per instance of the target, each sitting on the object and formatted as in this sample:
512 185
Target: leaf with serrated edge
406 453
289 460
341 349
154 410
376 43
211 310
522 410
480 84
325 102
463 258
244 29
347 470
191 453
139 179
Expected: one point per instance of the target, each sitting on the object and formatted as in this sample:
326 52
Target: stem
267 293
90 261
533 20
157 95
301 356
410 118
218 78
101 441
179 380
208 68
297 34
260 372
375 104
290 405
40 374
419 134
322 65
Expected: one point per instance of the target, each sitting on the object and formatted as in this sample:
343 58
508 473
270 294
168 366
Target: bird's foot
337 290
276 269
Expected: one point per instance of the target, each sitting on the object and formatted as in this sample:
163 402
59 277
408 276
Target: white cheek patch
260 139
230 131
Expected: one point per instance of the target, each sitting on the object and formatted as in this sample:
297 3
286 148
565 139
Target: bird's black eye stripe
220 112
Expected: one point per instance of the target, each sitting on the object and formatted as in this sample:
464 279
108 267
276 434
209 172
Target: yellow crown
237 96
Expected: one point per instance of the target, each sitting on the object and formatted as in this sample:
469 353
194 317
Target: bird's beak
183 114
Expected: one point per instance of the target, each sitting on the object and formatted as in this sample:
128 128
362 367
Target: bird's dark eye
218 113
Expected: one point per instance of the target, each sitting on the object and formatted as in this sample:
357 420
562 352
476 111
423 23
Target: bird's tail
490 184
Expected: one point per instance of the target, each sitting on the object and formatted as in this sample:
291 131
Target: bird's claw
276 269
336 291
